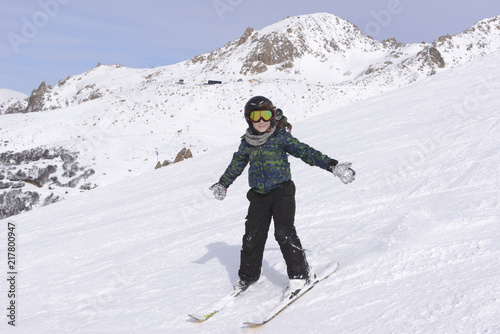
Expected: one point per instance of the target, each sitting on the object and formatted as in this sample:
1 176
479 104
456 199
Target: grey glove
343 171
219 191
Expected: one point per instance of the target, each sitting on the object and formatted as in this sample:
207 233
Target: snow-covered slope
417 233
117 122
479 40
8 95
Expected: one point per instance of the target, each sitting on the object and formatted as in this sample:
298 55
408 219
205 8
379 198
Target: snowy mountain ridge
329 49
477 41
119 122
316 49
281 47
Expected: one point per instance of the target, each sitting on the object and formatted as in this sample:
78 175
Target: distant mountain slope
8 96
315 49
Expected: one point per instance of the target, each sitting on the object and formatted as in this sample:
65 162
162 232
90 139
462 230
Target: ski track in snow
416 235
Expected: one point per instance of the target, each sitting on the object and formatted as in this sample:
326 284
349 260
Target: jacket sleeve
236 167
306 153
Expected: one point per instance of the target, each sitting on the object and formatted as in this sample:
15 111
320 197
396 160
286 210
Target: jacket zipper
263 169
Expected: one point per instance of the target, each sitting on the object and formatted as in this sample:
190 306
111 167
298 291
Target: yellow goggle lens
266 115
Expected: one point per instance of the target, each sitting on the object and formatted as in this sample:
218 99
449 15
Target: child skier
272 195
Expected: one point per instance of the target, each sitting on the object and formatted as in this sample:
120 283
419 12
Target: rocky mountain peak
282 43
248 32
324 47
36 99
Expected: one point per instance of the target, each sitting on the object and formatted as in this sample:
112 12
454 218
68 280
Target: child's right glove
342 170
219 191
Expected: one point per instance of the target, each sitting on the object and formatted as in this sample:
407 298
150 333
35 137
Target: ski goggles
257 115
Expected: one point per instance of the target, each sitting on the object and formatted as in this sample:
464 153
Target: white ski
285 303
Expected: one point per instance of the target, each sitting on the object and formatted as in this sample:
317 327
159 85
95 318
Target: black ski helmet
258 103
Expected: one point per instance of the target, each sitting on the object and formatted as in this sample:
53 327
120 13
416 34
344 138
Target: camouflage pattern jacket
269 166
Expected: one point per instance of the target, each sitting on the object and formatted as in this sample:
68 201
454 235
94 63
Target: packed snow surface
417 234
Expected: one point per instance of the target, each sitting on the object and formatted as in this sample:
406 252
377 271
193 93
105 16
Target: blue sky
48 40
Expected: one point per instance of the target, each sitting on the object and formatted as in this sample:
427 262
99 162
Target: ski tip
257 322
201 318
197 317
329 271
333 267
253 324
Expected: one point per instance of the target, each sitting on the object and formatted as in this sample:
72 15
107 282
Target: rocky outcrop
16 107
436 58
269 50
37 99
246 35
14 202
183 154
430 58
34 103
23 173
38 167
24 157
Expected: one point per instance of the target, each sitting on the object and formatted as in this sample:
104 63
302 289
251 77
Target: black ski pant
279 205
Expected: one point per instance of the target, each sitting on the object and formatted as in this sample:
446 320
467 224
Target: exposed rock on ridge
36 99
43 168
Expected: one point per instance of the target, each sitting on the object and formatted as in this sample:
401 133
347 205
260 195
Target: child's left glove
219 191
342 170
